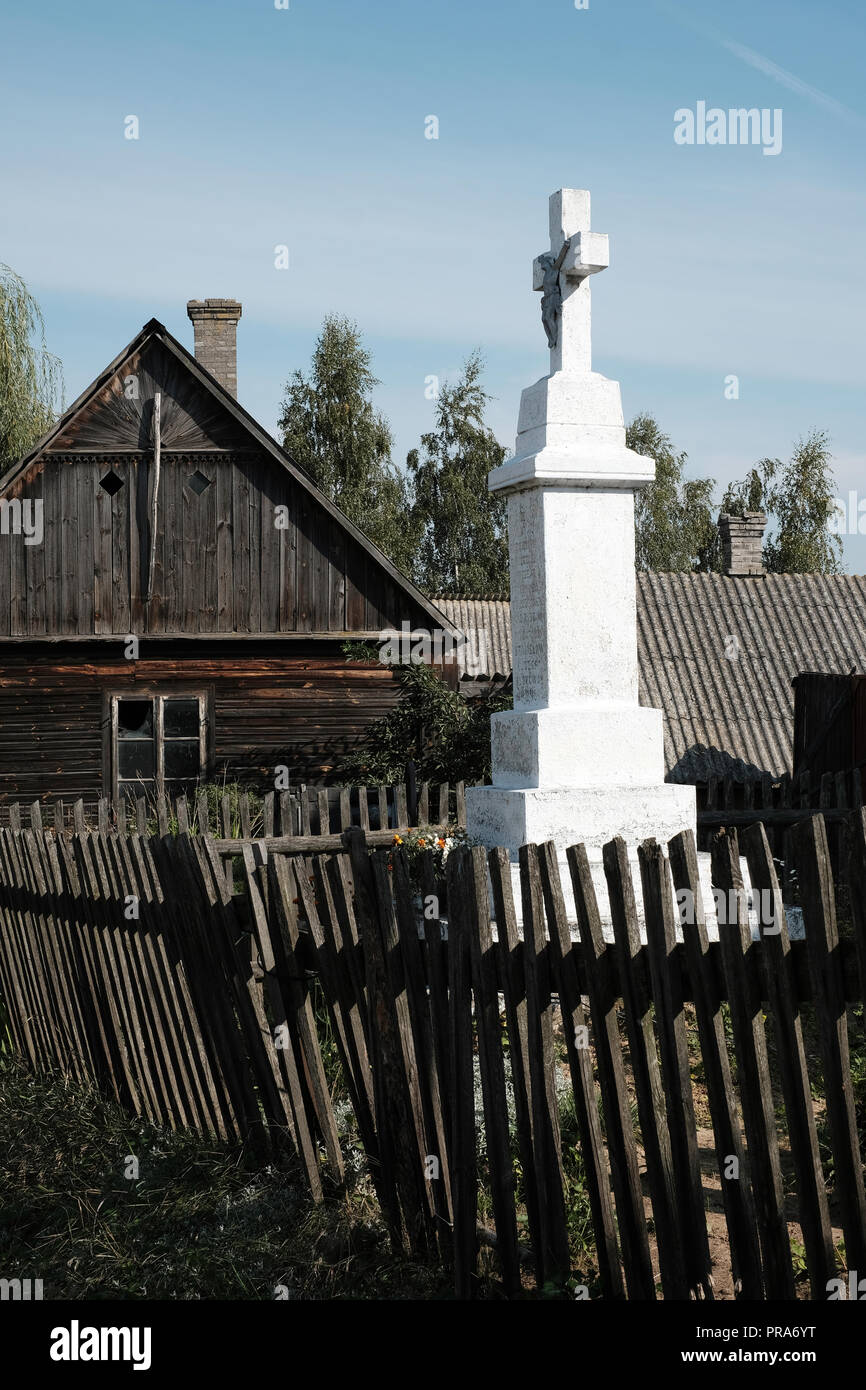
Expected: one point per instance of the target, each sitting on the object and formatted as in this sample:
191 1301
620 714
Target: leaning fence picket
822 943
753 1072
688 1207
785 1011
576 1027
707 995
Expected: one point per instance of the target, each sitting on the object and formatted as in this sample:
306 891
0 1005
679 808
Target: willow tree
31 380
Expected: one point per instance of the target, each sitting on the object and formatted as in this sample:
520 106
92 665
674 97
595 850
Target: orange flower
441 843
398 840
423 844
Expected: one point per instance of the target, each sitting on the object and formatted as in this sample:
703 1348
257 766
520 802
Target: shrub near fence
200 1012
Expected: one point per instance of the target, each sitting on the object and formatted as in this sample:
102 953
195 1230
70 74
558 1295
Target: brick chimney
742 538
215 323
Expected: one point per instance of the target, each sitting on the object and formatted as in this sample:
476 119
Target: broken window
158 743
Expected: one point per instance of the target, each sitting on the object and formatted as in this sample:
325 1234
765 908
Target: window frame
157 694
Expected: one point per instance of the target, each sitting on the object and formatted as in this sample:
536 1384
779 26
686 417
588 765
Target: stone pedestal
578 759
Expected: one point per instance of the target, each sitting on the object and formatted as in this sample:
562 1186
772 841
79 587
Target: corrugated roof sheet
718 654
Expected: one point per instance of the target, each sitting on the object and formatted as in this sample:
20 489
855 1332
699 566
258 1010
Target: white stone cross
575 254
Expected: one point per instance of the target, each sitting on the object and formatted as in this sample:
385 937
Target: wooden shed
829 723
175 592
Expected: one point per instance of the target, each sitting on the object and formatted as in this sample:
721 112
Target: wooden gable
223 564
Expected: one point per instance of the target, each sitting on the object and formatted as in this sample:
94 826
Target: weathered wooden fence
779 804
128 958
304 813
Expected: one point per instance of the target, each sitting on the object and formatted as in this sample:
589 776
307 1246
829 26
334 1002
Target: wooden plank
394 1124
674 1055
514 992
444 804
404 945
822 942
460 798
345 808
790 1051
649 1090
486 991
401 809
543 1102
363 808
856 874
625 1173
286 1005
753 1073
736 1193
576 1030
382 795
324 811
424 804
461 1130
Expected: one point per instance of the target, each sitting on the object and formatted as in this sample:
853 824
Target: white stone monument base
589 815
575 747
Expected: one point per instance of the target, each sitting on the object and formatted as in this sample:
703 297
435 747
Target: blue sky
305 127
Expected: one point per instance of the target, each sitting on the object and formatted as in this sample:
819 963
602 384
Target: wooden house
175 592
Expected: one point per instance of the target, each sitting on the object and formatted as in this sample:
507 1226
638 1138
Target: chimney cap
214 308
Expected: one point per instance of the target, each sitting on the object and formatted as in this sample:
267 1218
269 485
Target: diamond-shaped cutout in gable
111 483
198 482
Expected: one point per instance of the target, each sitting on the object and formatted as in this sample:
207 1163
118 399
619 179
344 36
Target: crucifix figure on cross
562 274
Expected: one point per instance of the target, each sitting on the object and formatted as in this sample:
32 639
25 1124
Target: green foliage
332 430
463 544
31 381
675 529
446 736
798 497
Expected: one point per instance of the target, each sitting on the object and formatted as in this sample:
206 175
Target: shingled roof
717 654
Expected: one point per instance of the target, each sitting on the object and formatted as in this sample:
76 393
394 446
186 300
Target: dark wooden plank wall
221 563
301 710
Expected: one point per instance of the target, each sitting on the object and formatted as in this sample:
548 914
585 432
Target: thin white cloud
767 67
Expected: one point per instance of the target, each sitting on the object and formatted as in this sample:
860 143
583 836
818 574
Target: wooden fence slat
401 809
363 809
736 1193
397 1152
292 1022
514 991
785 1011
268 813
464 1186
544 1107
649 1091
822 942
753 1072
486 991
580 1066
422 1038
324 808
674 1054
